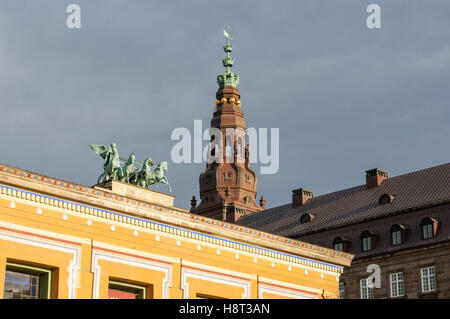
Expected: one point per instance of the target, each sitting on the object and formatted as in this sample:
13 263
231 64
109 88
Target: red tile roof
358 204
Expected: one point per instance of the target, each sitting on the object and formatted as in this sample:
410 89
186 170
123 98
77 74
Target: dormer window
306 218
385 199
368 240
428 227
341 244
338 244
397 234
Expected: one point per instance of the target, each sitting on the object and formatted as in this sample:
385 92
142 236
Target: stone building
399 224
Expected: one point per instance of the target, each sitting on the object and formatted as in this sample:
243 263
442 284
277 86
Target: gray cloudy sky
346 98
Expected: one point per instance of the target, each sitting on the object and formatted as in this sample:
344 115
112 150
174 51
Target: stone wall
409 262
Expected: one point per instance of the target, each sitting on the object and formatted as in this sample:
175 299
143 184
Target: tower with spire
228 186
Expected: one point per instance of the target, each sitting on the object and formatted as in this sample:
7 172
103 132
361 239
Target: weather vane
228 77
226 33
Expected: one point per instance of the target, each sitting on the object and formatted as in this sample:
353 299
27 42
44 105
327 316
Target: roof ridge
252 217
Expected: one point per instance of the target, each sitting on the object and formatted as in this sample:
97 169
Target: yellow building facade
63 240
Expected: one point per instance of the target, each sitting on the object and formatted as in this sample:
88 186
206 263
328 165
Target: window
228 146
26 282
396 235
124 290
428 279
306 218
341 290
338 244
240 147
366 292
385 199
203 296
367 243
397 289
427 226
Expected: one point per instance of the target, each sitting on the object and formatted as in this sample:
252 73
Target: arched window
385 199
306 218
240 149
338 244
428 227
228 146
367 241
397 234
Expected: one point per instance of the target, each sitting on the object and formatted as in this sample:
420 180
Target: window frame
44 274
396 228
430 224
397 282
428 277
369 291
338 241
367 237
341 290
139 290
305 218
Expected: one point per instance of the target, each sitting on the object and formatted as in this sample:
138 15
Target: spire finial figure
226 33
228 77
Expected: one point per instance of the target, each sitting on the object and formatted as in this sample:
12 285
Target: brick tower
228 185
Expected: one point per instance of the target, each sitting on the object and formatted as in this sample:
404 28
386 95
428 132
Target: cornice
87 200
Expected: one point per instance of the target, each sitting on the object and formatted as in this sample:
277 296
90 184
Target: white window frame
341 290
395 283
396 237
428 231
367 243
365 291
428 279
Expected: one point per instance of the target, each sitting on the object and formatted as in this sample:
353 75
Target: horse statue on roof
111 162
143 177
158 175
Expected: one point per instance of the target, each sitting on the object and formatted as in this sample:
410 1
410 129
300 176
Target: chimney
193 202
262 202
301 196
375 177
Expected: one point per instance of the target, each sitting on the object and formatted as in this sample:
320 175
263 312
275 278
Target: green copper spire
228 77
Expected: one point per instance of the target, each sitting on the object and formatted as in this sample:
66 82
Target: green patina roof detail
228 77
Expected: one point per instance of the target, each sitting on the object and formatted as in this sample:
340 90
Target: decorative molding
47 240
137 259
133 221
286 289
212 274
165 212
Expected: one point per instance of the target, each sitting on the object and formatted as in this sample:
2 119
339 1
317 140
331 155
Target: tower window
240 147
228 146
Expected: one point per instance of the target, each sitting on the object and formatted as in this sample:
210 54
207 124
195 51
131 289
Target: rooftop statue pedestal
138 193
